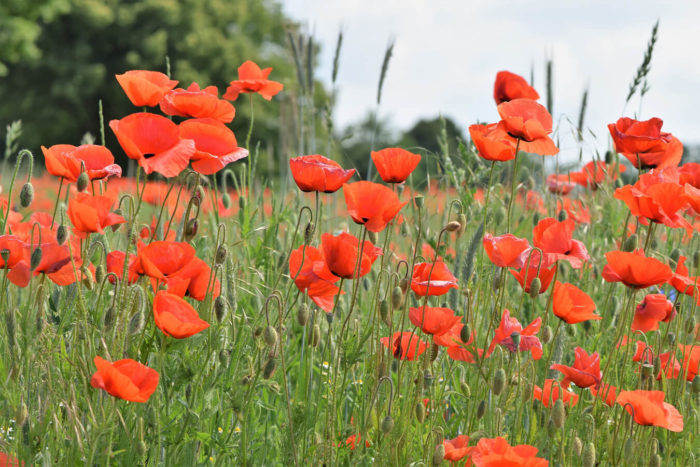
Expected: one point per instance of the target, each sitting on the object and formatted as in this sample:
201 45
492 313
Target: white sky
447 54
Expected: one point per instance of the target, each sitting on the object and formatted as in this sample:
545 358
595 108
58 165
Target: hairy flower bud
221 253
588 456
419 411
499 381
558 413
309 233
373 237
384 312
315 336
270 336
191 229
35 259
83 181
26 195
269 368
220 308
546 334
397 297
578 445
303 314
465 333
61 234
438 454
481 409
630 243
452 226
535 287
387 424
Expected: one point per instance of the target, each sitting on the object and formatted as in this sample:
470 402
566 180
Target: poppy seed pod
499 381
535 287
438 454
515 337
384 312
387 424
588 456
5 255
83 181
558 413
220 308
35 259
419 201
303 314
270 336
397 297
453 226
630 243
269 368
419 411
26 195
61 234
481 409
221 253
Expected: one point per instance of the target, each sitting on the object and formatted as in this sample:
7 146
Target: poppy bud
397 297
654 243
536 218
546 334
315 336
462 219
5 255
465 333
225 357
535 287
87 277
696 259
220 256
619 183
419 201
438 454
226 200
35 259
241 203
220 308
83 181
381 371
464 387
434 350
452 226
655 460
269 368
22 414
675 254
136 323
588 457
630 243
499 381
11 325
387 424
497 279
578 445
558 413
191 229
428 379
499 215
695 385
571 330
404 230
629 450
403 284
561 216
384 312
26 195
690 324
481 409
270 336
420 412
108 319
61 234
303 314
330 316
373 237
657 365
100 273
309 233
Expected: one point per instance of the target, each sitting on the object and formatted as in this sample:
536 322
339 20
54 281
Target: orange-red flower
395 164
496 452
575 209
318 173
683 282
561 184
313 276
197 103
689 173
605 393
145 88
691 360
585 372
645 140
341 252
9 461
433 320
573 305
126 379
154 141
527 273
214 142
653 309
649 408
506 251
456 448
115 264
509 86
13 248
595 173
528 340
162 259
492 142
452 337
432 280
404 345
529 122
175 317
656 202
68 161
193 280
635 269
552 392
371 204
251 79
91 213
555 239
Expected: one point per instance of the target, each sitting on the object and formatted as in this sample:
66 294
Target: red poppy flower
55 263
464 354
573 305
635 269
340 253
595 173
215 144
14 248
691 360
497 452
654 308
575 209
67 161
9 461
506 251
154 141
492 142
197 103
193 280
251 79
606 393
318 173
509 86
644 139
395 164
162 259
456 448
432 320
555 239
404 345
313 276
585 372
528 340
91 213
659 203
670 366
683 282
145 88
353 440
453 337
175 317
692 195
689 173
530 122
432 280
527 273
115 264
552 392
126 379
371 204
649 408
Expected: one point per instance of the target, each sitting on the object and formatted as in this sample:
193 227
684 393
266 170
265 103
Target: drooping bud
87 279
225 357
630 243
434 351
578 445
26 195
270 336
499 381
83 181
536 218
303 314
655 460
396 297
387 424
481 409
108 319
535 287
497 279
191 229
220 308
558 413
221 253
462 219
546 334
588 456
465 333
696 259
696 384
269 368
309 233
61 234
630 450
384 312
100 273
136 323
452 226
35 259
11 327
226 200
403 284
675 254
438 454
373 237
420 412
499 215
315 336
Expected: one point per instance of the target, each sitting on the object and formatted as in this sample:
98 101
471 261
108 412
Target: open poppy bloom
318 173
193 280
552 392
528 121
653 309
432 279
175 317
555 239
395 164
404 345
493 452
145 88
575 209
527 273
197 103
595 173
115 264
492 142
683 282
635 269
433 320
126 379
214 142
605 393
12 249
509 86
585 372
528 338
561 184
162 259
649 408
644 144
251 79
457 448
313 276
573 305
689 173
154 141
67 161
91 213
657 202
371 204
353 440
56 263
691 360
506 251
340 253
